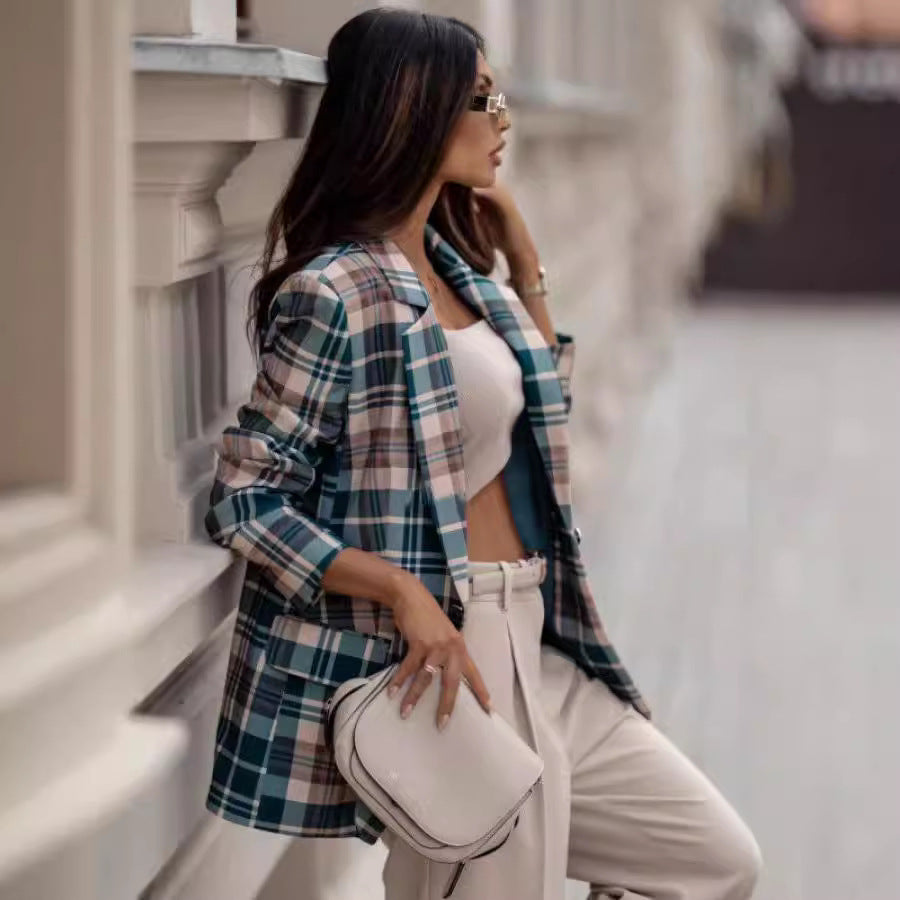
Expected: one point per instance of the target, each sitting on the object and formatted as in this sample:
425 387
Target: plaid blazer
351 438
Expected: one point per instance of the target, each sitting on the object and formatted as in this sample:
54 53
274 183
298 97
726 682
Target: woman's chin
484 179
489 178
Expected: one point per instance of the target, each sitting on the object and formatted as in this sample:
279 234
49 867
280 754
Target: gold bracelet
538 289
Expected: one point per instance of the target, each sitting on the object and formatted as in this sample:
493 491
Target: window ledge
192 57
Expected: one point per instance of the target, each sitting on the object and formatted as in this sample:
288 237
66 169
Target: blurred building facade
853 19
146 145
817 213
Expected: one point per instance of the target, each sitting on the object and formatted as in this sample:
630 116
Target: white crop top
489 384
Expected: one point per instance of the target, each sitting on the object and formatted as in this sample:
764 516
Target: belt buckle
536 558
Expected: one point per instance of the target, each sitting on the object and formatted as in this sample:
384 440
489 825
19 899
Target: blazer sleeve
268 462
563 352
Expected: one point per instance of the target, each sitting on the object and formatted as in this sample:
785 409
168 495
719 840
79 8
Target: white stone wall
132 220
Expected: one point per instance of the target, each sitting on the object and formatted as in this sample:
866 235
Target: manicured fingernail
442 724
392 691
404 713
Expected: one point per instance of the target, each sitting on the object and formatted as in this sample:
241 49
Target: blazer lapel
435 419
543 396
434 410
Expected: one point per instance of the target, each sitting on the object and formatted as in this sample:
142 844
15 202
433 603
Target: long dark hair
398 81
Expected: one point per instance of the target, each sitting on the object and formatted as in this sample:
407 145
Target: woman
398 484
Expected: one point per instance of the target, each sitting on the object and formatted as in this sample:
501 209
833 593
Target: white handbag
452 795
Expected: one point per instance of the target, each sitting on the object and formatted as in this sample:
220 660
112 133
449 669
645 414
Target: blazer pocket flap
326 655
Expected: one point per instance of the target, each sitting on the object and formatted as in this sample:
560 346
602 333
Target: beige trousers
619 807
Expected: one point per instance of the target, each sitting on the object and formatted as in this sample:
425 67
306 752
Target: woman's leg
502 631
645 822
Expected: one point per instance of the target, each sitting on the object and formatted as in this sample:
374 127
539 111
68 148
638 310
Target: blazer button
578 534
457 615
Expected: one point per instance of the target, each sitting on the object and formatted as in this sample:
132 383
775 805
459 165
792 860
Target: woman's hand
500 216
434 642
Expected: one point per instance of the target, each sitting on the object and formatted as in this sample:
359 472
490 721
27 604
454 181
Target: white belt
487 580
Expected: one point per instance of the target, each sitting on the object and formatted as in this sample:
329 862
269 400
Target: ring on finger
430 669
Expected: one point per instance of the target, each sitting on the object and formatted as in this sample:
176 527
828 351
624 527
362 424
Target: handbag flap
457 784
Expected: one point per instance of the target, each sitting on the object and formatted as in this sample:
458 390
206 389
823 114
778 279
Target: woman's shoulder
346 273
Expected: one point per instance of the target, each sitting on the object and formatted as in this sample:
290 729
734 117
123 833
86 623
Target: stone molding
178 223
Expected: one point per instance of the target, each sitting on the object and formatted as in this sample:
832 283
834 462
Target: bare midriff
492 533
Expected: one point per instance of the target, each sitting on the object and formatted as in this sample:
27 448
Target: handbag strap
457 872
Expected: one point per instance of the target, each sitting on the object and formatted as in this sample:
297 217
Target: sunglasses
493 104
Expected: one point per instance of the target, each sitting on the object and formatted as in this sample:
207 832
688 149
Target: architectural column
181 329
207 19
85 782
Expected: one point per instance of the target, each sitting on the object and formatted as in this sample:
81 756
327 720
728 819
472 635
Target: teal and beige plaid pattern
351 438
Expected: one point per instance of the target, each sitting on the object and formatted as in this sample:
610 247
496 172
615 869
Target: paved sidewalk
747 560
